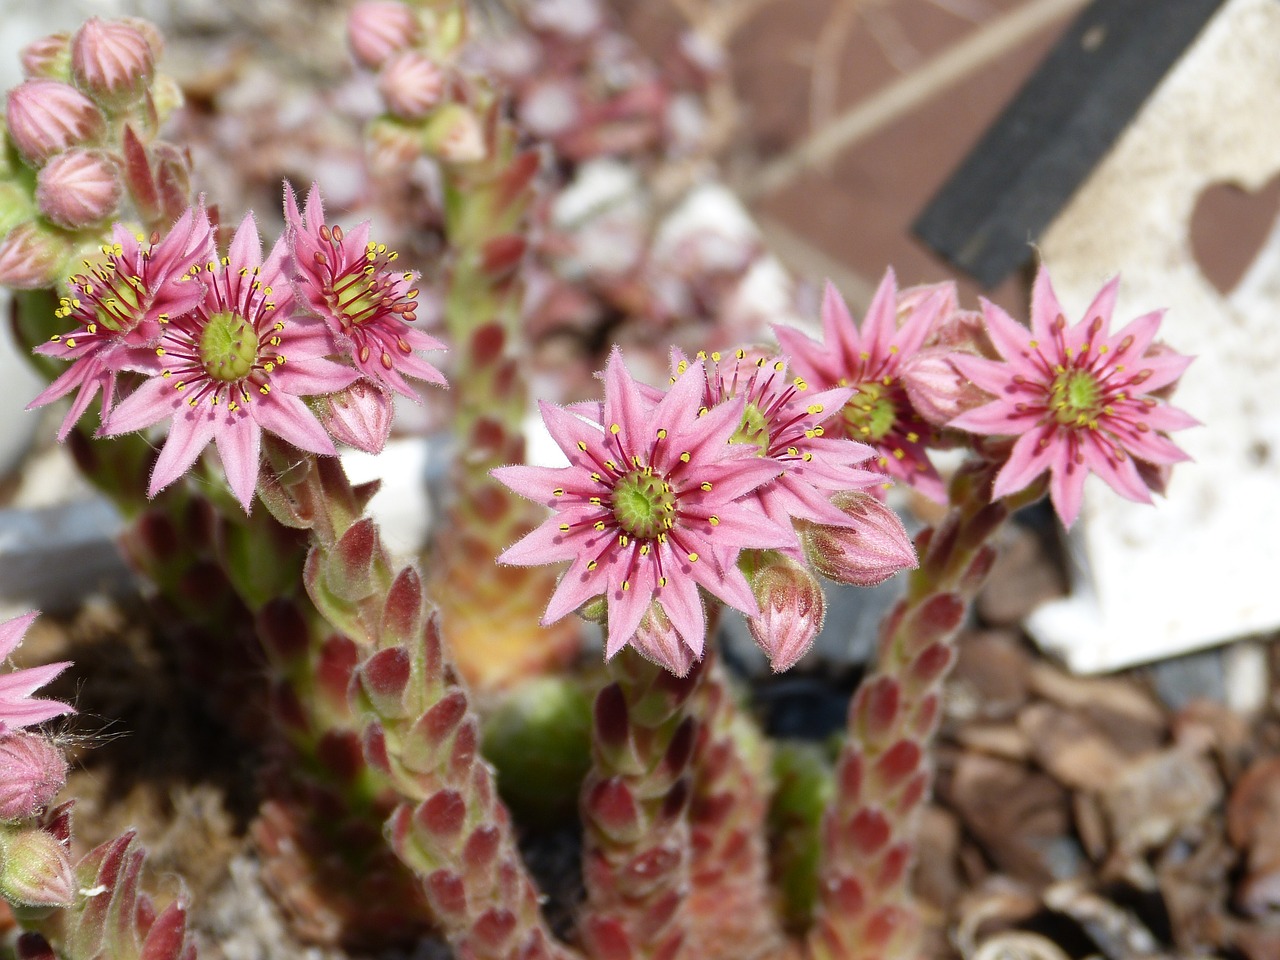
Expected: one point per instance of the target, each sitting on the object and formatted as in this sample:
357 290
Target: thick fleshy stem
492 621
417 730
865 909
635 811
450 828
730 902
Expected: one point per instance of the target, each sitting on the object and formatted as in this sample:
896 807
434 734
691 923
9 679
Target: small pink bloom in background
120 305
378 28
79 188
352 283
18 708
111 60
46 117
411 83
650 507
871 361
1079 398
787 422
235 365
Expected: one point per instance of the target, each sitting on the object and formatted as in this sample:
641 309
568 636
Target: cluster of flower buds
414 52
85 120
226 347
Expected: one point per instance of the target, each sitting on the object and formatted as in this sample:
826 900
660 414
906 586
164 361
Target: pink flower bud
150 32
657 640
33 256
412 84
48 58
46 117
453 134
32 771
36 869
792 610
111 60
79 188
869 552
378 28
359 416
937 390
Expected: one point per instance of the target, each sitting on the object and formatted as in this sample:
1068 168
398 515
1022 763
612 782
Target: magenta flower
787 423
1079 398
121 303
222 372
871 361
17 707
650 507
350 282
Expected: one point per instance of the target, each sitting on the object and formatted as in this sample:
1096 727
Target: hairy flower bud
33 256
79 188
46 117
453 134
359 416
937 390
378 28
412 84
657 640
792 610
35 869
111 60
32 771
869 552
48 58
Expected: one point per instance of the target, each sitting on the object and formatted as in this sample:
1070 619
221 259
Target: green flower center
1075 397
870 413
754 429
228 347
643 504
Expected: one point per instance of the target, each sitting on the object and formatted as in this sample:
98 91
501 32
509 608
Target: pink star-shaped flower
352 283
870 360
234 366
1078 398
650 508
120 303
787 422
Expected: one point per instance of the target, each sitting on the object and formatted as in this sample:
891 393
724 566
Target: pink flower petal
290 418
239 442
189 434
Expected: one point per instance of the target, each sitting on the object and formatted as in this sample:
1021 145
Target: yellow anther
713 520
693 558
615 429
706 486
558 492
686 457
564 528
